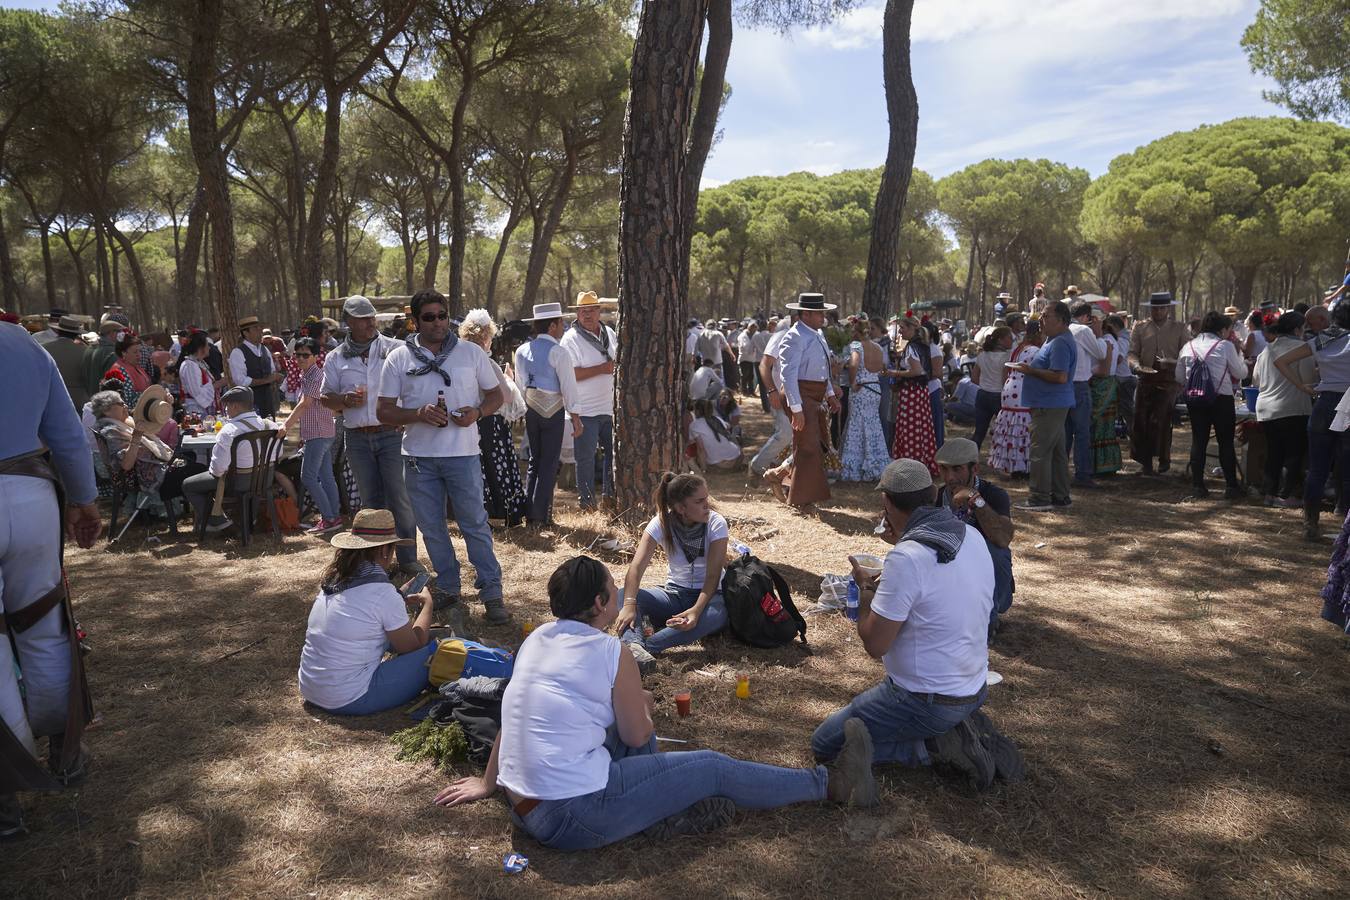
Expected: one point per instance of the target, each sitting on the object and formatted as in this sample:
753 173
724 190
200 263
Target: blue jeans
939 426
396 681
595 431
1004 585
960 413
767 457
377 463
431 480
1326 449
1078 431
897 720
646 786
656 606
316 474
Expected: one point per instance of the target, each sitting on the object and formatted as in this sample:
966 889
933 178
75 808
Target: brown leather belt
525 807
371 429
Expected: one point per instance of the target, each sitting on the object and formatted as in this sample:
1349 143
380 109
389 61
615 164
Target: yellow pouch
447 663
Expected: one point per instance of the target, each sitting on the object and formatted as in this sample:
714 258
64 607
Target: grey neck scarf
599 342
428 364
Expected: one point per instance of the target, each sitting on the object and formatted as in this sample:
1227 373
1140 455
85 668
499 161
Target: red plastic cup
682 703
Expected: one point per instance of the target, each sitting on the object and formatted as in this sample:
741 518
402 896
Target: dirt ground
1181 707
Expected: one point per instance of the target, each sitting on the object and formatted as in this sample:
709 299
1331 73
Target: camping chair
257 493
124 485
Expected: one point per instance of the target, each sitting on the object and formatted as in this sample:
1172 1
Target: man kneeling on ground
927 620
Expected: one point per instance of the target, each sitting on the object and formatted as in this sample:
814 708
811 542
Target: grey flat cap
358 307
238 394
958 452
903 476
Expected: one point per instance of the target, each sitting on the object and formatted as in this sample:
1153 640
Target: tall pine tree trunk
654 223
902 108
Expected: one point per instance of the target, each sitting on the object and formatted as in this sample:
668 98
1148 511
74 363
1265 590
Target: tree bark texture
704 128
7 279
902 108
654 221
210 158
185 281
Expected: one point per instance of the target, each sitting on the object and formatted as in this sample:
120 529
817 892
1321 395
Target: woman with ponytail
694 538
576 755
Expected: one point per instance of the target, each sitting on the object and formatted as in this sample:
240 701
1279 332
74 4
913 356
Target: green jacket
99 358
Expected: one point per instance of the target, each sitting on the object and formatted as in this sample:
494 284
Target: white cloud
938 21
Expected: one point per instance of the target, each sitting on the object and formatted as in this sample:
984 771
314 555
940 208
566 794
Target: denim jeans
316 474
1078 431
646 786
939 426
396 681
960 413
767 457
656 606
897 720
376 459
987 406
432 480
595 431
1326 449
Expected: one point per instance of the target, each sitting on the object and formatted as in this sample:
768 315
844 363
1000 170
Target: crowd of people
424 420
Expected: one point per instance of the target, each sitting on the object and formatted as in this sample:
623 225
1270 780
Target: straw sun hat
370 528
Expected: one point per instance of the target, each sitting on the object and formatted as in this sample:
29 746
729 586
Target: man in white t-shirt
1086 331
927 620
438 387
594 348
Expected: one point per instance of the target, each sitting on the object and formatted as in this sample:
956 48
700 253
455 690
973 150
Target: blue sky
1077 81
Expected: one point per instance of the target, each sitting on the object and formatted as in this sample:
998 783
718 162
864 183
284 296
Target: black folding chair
265 446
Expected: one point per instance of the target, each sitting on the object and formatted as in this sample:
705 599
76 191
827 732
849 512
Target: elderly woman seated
134 449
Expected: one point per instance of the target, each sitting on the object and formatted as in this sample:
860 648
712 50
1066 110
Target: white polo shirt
595 395
342 375
943 644
471 374
1089 351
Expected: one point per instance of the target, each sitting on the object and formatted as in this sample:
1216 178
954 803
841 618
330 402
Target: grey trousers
1049 471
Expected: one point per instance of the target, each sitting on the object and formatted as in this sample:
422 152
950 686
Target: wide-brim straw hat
153 409
590 300
248 322
370 528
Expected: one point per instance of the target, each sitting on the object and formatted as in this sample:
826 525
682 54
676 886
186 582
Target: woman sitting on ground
715 445
356 617
694 538
577 757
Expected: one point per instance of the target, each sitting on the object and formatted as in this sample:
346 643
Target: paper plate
993 679
1011 365
869 563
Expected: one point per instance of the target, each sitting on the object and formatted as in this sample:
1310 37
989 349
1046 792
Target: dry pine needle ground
1182 709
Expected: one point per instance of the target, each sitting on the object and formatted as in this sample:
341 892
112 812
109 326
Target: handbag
286 511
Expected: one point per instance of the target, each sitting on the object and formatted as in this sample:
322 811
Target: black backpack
759 604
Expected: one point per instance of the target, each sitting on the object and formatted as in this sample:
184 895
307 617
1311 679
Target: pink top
317 420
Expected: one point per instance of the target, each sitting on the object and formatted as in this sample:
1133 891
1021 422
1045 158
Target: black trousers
1221 417
748 379
1286 446
987 406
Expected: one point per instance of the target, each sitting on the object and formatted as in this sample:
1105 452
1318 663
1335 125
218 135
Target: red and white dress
914 437
1011 434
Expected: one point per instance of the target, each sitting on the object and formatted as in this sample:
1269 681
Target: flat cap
238 394
903 476
958 452
358 307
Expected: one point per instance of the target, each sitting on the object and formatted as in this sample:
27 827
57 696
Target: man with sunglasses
351 387
437 387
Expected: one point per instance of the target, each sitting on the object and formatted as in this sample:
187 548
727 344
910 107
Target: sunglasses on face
432 317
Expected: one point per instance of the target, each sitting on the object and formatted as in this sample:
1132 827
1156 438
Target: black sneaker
1201 491
851 779
704 816
1235 492
1008 762
1067 501
960 750
1033 506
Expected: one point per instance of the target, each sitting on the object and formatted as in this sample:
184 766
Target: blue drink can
514 863
851 601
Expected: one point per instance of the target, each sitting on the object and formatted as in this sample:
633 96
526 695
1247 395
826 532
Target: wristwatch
979 502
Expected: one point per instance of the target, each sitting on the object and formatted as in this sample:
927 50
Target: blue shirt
38 413
1059 354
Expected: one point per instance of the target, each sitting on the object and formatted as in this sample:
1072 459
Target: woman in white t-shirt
694 538
576 754
988 377
714 443
356 617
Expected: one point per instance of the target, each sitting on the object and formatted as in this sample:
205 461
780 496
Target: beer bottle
440 404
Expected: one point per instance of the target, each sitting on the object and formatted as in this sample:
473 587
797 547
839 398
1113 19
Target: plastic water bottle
736 546
851 601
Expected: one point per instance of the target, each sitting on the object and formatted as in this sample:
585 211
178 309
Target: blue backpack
462 658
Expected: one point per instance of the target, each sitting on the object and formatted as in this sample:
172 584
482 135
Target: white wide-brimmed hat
544 311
